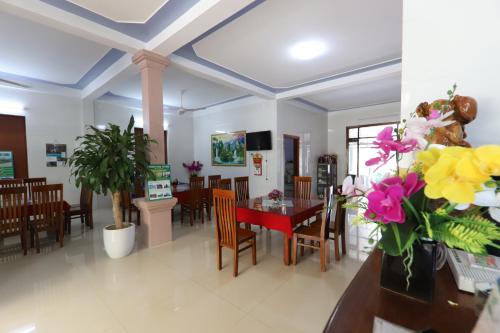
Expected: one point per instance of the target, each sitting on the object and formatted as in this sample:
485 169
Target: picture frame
229 149
159 187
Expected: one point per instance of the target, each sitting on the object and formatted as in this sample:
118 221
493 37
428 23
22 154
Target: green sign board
6 165
160 186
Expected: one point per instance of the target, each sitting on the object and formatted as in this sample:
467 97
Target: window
360 149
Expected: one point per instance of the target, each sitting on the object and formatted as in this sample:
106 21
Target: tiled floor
171 288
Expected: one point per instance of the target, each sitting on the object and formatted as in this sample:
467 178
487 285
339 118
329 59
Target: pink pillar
155 215
152 66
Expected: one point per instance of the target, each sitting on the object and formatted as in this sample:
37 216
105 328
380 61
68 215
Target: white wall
49 119
311 128
339 120
180 132
450 41
250 114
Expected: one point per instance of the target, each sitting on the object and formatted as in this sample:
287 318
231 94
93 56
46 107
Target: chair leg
81 218
61 236
37 239
219 257
254 250
202 214
294 249
209 212
182 214
67 221
336 246
235 262
322 256
139 216
192 215
312 244
32 237
343 242
23 242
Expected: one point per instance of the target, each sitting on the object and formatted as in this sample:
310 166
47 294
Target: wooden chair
241 188
225 184
9 183
213 182
228 233
127 205
30 182
195 203
82 211
316 233
48 212
302 187
14 214
338 229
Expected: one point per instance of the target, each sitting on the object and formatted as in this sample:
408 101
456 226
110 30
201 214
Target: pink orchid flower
386 143
418 128
385 201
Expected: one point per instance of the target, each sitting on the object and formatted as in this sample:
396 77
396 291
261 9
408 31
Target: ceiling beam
342 82
219 77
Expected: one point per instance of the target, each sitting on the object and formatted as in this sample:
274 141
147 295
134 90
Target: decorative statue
465 111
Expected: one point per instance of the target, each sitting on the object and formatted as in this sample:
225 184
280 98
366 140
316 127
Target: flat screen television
259 141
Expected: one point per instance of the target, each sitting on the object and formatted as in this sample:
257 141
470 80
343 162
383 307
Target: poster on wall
229 149
160 185
257 164
6 165
55 154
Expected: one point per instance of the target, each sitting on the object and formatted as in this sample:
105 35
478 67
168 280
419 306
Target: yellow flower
488 159
452 173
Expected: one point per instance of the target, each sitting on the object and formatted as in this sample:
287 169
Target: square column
152 66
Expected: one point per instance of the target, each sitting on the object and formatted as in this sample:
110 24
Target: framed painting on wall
229 149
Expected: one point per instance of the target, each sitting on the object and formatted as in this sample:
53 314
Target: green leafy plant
109 160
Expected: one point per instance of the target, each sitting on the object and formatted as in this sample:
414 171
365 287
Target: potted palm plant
108 161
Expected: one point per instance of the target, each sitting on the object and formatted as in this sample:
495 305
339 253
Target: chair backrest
13 210
86 197
31 182
241 188
224 203
196 182
327 212
125 199
9 183
302 187
213 180
225 184
48 205
340 214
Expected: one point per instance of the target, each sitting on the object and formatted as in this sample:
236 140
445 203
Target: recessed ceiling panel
199 92
369 93
34 50
123 11
262 44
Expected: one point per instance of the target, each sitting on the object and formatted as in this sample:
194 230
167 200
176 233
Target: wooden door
13 138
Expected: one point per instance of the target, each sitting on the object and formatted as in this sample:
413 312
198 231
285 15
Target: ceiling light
101 127
308 49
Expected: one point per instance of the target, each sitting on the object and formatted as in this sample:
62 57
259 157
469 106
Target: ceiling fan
181 110
8 83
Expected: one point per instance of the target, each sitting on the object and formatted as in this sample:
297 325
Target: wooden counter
364 299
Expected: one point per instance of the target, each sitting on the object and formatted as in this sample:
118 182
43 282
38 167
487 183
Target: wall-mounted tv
259 141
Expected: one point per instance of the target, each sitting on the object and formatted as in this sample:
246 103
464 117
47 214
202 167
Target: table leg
286 250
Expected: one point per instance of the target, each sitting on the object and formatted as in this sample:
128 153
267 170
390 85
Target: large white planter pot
119 243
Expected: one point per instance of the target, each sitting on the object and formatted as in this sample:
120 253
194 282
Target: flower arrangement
275 195
193 168
441 196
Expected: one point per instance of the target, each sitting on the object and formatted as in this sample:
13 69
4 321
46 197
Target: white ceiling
37 51
123 11
368 93
357 33
199 92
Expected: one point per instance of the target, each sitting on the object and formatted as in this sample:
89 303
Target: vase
423 270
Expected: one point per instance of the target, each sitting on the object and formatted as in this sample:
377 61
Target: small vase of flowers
443 197
276 196
193 168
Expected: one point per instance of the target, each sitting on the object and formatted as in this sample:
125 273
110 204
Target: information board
6 165
160 185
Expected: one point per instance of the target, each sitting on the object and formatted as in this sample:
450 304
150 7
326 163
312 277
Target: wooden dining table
283 218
